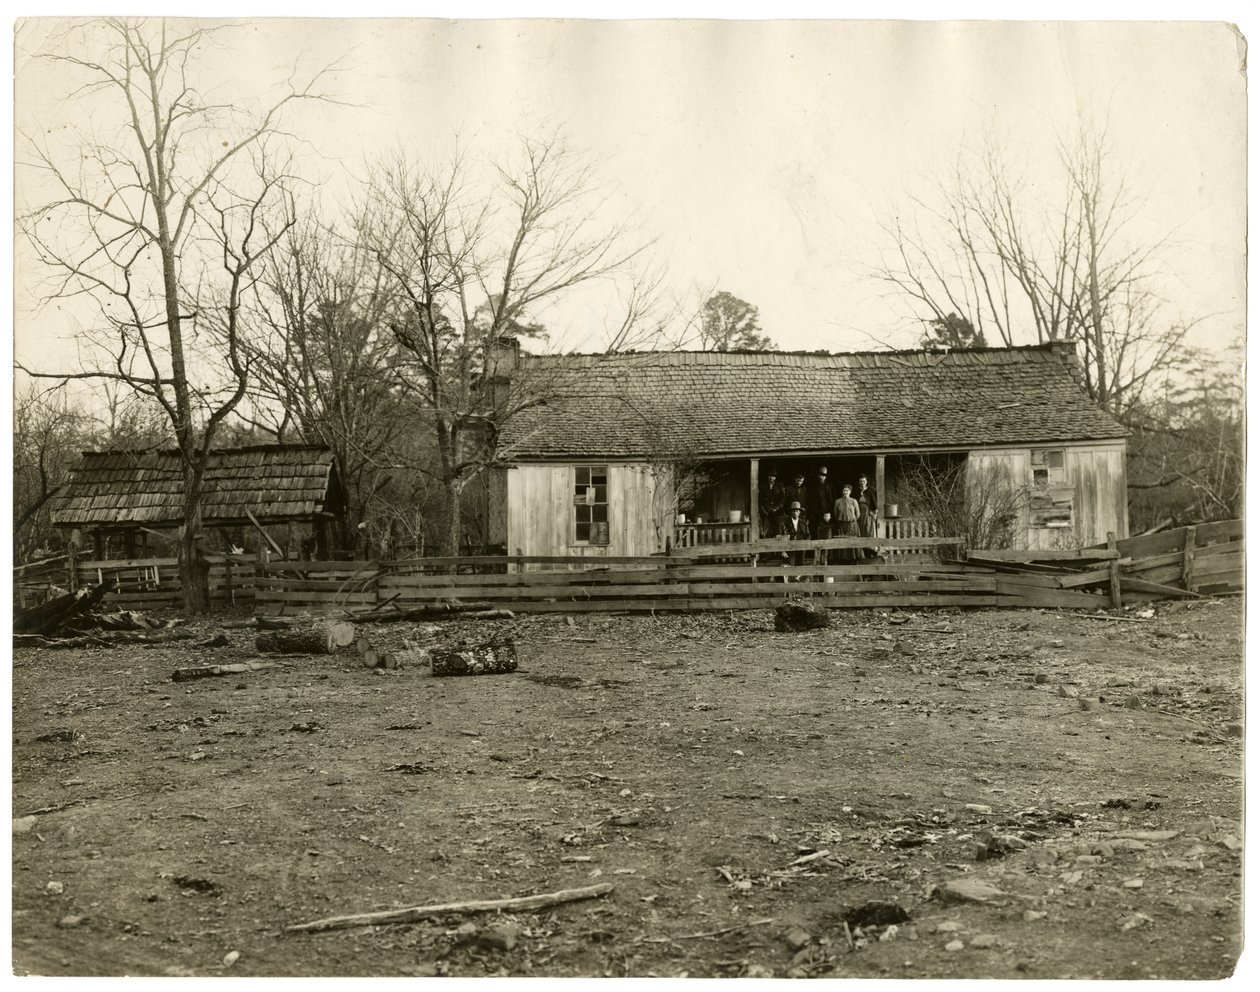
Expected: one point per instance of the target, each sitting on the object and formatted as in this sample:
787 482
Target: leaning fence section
150 583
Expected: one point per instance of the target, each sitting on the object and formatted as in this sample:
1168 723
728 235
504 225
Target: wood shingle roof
728 403
275 482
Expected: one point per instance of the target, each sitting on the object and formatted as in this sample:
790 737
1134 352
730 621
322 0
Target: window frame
1056 492
592 472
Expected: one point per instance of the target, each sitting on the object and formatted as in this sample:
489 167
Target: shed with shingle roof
127 490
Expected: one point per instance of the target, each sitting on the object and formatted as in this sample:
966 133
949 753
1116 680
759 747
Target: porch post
881 497
754 499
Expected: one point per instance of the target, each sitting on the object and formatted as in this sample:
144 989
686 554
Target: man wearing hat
795 528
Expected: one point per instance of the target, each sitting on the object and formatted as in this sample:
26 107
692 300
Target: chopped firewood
219 640
311 640
521 904
491 658
209 671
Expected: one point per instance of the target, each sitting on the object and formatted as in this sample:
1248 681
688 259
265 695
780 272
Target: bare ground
750 794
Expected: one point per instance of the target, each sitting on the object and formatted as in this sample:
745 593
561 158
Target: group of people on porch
817 510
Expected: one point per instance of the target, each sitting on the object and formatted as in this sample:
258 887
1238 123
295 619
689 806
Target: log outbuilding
129 504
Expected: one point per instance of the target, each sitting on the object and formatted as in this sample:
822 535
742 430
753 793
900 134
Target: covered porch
725 507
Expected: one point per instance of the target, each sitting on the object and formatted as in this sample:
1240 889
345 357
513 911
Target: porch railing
907 527
695 535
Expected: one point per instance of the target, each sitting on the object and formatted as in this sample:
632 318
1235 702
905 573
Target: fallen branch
1104 616
438 611
707 933
412 914
209 671
37 641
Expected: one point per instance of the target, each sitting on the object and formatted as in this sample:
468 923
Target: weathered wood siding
1097 476
540 512
1011 466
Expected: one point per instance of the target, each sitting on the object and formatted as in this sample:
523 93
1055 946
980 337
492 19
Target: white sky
762 155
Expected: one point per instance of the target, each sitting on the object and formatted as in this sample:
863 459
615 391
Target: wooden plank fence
914 572
153 583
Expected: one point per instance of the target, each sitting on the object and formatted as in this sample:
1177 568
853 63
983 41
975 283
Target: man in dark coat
797 491
795 528
772 503
819 498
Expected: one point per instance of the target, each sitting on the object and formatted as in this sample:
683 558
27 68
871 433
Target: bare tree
323 353
984 248
470 259
164 224
50 429
1186 451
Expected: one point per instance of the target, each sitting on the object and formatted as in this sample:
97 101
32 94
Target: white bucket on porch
682 518
734 516
890 510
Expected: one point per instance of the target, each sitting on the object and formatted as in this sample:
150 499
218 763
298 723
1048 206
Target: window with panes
590 504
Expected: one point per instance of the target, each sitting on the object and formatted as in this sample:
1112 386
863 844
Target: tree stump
312 640
797 615
490 658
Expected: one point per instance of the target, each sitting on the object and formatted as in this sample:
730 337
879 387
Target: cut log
312 640
343 633
522 904
48 617
491 658
797 615
370 657
209 671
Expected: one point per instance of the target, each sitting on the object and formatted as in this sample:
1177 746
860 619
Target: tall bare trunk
454 519
194 570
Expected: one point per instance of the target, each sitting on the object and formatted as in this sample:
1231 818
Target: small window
1050 503
590 504
1049 468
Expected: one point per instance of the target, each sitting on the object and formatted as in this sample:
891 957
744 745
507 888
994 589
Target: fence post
1187 559
1113 572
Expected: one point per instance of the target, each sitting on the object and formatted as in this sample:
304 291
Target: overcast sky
764 155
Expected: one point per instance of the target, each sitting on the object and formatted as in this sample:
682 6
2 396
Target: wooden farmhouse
597 466
129 504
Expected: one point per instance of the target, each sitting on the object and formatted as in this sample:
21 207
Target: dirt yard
765 804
